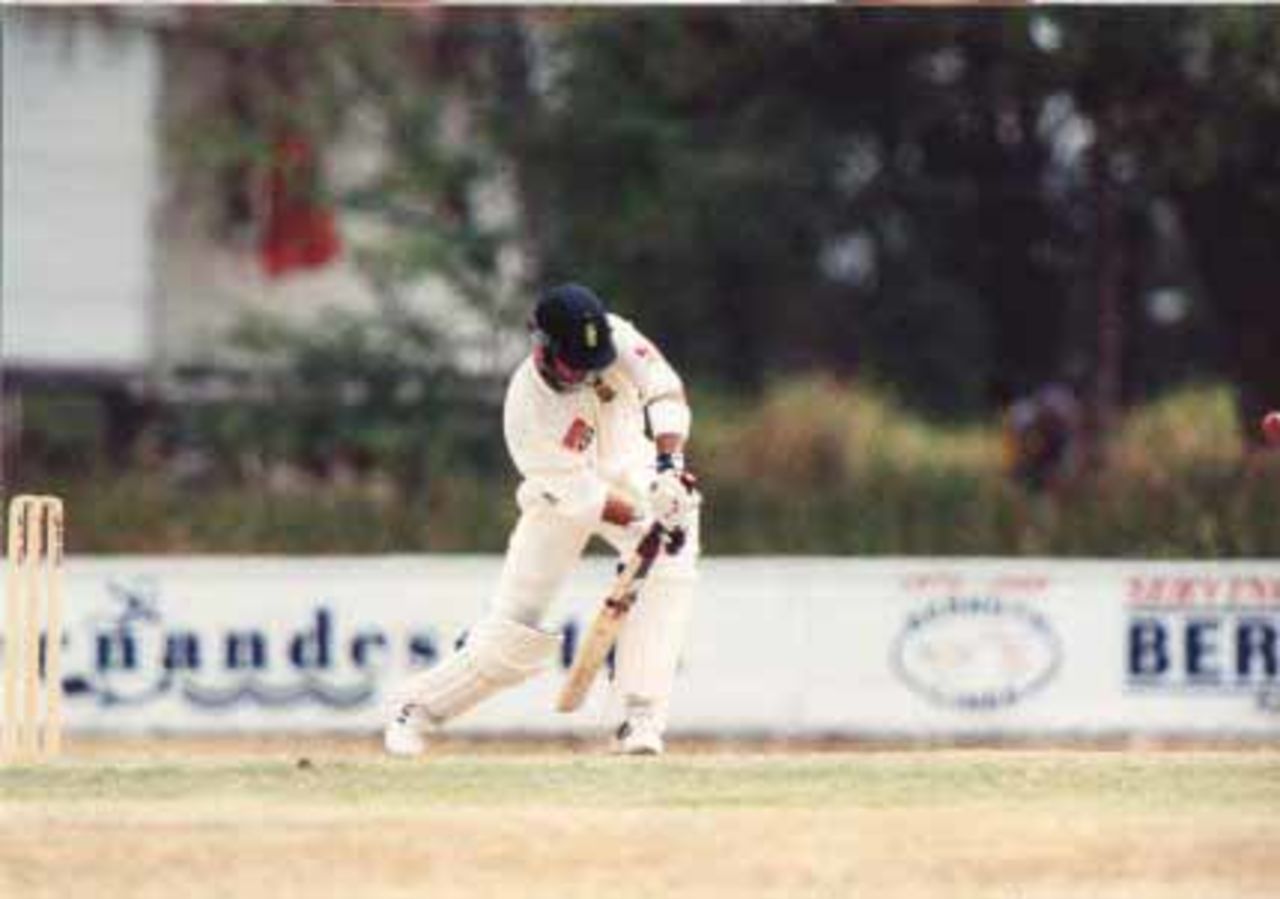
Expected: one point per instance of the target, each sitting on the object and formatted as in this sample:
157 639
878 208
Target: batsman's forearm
669 421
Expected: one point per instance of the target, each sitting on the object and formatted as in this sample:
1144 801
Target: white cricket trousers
543 551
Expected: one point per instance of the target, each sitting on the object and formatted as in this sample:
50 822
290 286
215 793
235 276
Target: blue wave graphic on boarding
136 656
278 697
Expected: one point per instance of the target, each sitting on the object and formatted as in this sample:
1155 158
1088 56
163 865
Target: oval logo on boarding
976 653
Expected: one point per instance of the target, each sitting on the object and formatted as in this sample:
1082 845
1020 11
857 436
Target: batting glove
673 495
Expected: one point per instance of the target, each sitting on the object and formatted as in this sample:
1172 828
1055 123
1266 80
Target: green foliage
918 198
366 395
397 89
913 200
818 468
146 513
781 189
814 468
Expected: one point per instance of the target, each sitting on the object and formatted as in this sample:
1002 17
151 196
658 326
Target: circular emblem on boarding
976 653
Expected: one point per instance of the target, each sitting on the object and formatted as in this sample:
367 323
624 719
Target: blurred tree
429 189
948 203
395 87
1186 104
359 397
1227 179
953 203
781 189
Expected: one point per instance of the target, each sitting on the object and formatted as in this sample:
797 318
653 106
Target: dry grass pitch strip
977 824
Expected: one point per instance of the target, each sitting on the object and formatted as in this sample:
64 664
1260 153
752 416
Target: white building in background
81 167
106 279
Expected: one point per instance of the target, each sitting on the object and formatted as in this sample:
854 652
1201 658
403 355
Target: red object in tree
1271 428
299 232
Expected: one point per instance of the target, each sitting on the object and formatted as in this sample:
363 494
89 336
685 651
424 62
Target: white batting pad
498 653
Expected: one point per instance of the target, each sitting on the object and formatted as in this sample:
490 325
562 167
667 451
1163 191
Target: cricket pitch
336 820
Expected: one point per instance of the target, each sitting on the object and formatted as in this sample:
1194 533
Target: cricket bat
600 637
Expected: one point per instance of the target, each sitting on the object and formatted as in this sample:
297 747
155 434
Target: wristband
670 462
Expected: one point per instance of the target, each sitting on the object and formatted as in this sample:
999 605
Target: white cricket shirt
572 448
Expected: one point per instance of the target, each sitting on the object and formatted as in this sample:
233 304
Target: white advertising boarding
779 646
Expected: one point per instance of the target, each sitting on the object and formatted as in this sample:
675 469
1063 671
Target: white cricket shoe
638 735
403 736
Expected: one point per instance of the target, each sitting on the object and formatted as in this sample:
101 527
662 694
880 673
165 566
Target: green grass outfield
187 821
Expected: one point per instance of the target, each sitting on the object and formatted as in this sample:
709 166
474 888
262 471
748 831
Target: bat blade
606 625
593 651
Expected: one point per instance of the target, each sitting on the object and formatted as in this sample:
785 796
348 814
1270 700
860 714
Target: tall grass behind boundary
822 467
143 513
814 467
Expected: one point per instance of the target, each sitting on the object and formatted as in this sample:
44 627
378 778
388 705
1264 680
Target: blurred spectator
1042 437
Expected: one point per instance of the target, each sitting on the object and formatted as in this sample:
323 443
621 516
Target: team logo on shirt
579 436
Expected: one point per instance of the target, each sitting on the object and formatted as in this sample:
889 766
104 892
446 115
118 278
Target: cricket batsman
595 420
